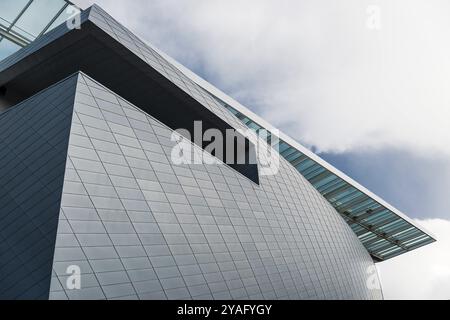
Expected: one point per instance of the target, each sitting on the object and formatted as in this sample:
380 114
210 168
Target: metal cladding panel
34 137
140 227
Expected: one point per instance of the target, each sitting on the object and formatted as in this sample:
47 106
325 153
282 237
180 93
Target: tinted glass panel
38 16
10 9
7 48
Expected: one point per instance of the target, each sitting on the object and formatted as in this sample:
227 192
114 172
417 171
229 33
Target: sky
366 84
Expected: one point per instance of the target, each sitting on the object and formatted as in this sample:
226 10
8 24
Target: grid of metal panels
22 21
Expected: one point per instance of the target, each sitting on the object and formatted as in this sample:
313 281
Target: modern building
90 194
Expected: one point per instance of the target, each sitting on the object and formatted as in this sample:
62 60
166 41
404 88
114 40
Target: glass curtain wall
22 21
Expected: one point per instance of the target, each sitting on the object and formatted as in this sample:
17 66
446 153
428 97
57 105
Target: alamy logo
373 21
228 147
73 281
74 20
372 282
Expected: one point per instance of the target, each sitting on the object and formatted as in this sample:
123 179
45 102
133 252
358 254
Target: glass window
9 10
7 48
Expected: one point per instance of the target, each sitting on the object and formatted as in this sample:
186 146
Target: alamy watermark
373 21
372 281
73 281
228 146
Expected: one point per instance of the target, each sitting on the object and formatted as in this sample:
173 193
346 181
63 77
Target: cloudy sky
364 83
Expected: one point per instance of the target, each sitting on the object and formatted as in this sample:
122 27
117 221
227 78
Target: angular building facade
89 185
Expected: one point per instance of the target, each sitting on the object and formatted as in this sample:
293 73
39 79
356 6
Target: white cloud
340 85
423 273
